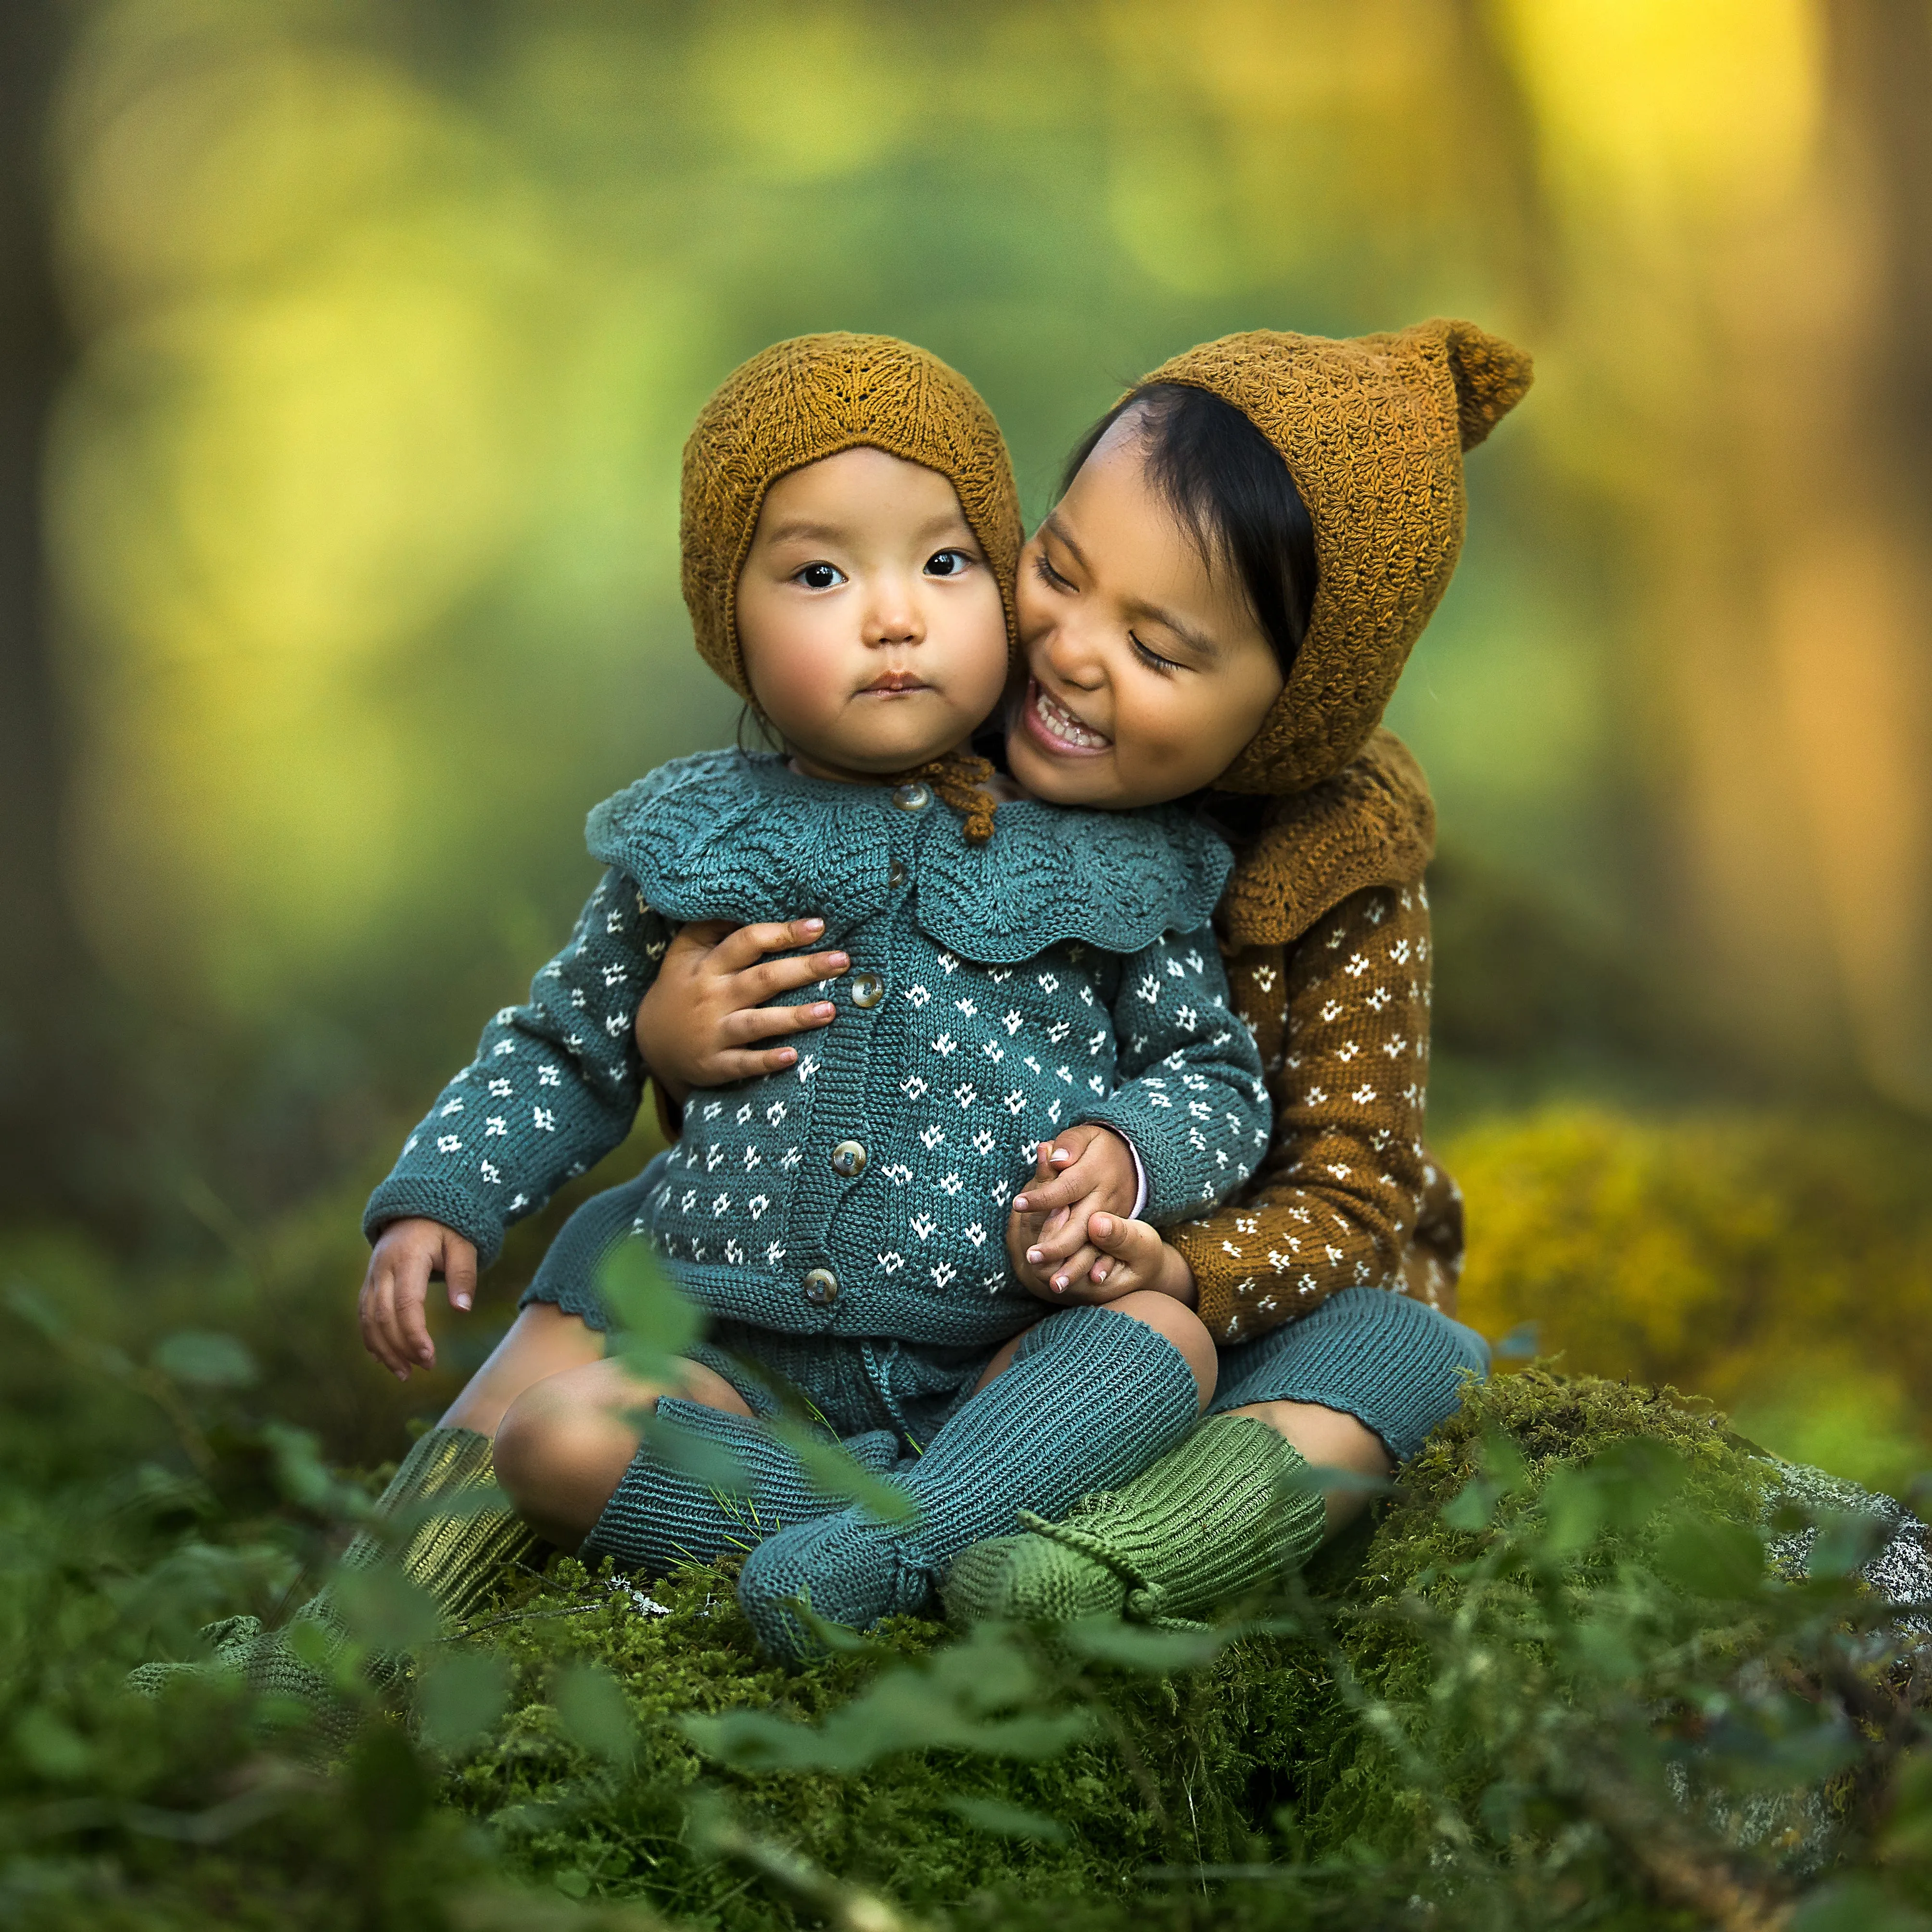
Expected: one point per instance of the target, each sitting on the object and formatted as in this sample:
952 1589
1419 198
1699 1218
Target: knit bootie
1091 1396
657 1519
1220 1516
455 1556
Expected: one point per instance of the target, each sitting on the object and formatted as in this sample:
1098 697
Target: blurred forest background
348 351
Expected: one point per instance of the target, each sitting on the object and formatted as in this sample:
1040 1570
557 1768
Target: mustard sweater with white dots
1065 972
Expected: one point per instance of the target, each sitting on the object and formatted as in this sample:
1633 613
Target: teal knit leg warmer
658 1518
1395 1364
1090 1399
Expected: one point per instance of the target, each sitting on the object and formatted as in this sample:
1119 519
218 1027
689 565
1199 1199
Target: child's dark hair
1233 494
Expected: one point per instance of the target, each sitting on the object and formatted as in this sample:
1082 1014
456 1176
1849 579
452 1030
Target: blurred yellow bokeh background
383 325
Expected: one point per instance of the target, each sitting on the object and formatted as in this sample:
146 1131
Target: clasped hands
705 1022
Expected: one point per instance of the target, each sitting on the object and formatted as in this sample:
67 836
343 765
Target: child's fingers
1072 1276
1133 1243
416 1346
1058 1190
1057 1241
758 984
409 1277
366 1319
726 1068
749 1023
459 1273
748 944
379 1324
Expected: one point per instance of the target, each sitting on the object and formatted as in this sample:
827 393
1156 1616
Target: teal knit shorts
1395 1364
851 1384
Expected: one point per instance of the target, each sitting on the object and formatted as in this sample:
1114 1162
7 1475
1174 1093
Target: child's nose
1072 657
894 619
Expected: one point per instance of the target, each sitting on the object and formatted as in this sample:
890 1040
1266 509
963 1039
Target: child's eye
819 576
1153 660
948 563
1047 574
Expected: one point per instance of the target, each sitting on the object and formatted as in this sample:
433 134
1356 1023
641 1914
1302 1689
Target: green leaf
1472 1506
1856 1905
460 1698
51 1746
1573 1508
1908 1831
573 1883
384 1609
658 1325
1846 1540
1136 1647
1315 1479
693 1455
1007 1821
833 1472
26 1301
594 1714
301 1474
387 1782
1639 1476
954 1702
204 1360
1713 1559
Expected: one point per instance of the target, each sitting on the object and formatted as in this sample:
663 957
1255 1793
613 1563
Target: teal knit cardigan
1066 972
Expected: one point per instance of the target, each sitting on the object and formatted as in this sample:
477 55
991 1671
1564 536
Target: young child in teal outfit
1013 975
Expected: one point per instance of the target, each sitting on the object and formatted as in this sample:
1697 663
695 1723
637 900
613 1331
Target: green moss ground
1551 1684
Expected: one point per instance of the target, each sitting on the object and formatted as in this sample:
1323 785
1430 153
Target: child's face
1149 673
871 626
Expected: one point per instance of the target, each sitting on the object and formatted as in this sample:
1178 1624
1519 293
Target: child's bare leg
1161 1313
564 1442
543 1341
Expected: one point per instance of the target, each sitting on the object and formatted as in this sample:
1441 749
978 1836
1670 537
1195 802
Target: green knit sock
1212 1519
455 1556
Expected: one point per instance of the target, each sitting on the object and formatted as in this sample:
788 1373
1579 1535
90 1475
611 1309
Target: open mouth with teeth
1055 728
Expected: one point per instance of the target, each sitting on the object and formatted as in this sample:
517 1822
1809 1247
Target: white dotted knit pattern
1343 1021
554 1086
867 1186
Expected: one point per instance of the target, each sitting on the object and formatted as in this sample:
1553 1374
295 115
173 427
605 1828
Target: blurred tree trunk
44 1074
1866 647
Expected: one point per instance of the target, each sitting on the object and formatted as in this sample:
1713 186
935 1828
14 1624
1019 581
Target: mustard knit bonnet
800 401
1372 431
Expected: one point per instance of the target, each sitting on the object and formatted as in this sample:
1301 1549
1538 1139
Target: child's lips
1056 730
889 682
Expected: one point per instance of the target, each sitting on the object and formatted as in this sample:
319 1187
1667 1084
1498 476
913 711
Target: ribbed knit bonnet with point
1373 431
799 402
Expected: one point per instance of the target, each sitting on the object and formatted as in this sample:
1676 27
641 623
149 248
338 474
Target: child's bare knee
557 1459
1182 1327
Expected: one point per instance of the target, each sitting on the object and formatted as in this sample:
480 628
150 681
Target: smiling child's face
871 627
1148 672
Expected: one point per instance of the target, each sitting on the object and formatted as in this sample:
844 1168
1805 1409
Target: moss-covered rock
1295 1738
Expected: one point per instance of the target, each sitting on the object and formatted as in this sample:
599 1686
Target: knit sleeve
554 1086
1191 1100
1343 1021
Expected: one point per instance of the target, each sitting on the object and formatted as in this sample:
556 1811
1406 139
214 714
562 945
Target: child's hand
1133 1255
708 1002
1088 1170
408 1254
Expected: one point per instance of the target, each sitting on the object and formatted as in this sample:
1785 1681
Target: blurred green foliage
393 319
1563 1678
